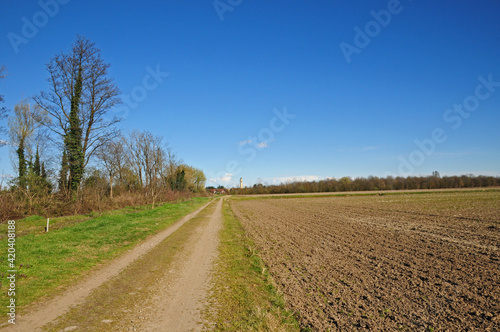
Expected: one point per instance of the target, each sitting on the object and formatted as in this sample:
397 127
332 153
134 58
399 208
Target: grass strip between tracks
48 262
244 297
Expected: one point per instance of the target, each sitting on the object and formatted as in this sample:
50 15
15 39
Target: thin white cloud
226 178
223 179
361 149
262 145
370 148
245 142
456 154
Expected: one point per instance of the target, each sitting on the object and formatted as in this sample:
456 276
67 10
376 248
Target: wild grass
244 297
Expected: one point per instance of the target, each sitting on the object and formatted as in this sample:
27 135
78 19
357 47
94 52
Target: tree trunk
110 185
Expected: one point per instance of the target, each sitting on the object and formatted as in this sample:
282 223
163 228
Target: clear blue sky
228 77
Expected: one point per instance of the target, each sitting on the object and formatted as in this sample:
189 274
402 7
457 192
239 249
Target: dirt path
178 304
180 307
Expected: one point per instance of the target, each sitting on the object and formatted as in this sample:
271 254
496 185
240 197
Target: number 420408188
11 243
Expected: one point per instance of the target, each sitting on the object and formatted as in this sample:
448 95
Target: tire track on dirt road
46 312
178 305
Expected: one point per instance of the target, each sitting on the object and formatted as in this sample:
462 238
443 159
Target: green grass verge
244 297
47 262
36 224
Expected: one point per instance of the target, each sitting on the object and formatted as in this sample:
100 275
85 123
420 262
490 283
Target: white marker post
47 225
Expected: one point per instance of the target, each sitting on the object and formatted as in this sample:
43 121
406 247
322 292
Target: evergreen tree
63 173
73 139
180 180
22 164
36 165
43 172
43 178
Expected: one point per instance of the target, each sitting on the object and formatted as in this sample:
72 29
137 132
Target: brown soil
400 262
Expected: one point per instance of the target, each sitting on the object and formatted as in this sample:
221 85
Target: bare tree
147 155
151 159
26 137
3 110
113 158
99 94
2 72
22 128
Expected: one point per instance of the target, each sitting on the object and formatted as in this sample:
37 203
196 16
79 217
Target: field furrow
428 261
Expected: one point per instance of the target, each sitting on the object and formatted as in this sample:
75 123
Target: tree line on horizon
374 183
69 154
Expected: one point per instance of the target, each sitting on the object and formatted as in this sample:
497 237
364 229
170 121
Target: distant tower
241 183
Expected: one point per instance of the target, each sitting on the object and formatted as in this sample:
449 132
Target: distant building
218 191
241 183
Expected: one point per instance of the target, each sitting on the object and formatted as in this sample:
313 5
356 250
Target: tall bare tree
81 68
148 155
3 110
151 160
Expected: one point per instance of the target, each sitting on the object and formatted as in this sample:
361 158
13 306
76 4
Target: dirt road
180 303
157 286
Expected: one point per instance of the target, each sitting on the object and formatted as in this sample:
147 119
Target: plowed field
426 262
